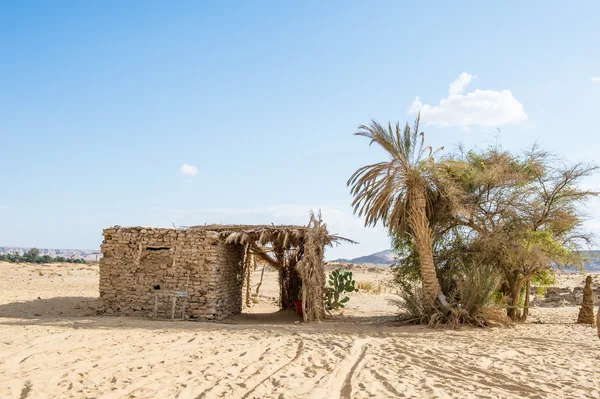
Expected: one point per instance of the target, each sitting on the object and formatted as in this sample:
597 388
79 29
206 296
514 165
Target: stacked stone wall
138 262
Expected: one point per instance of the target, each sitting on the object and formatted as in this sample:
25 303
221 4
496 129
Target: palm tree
399 193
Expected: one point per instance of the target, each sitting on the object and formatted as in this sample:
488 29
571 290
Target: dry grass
496 317
369 286
381 289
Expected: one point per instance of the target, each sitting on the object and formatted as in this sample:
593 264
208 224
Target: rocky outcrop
564 296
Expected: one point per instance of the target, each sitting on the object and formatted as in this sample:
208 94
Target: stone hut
214 263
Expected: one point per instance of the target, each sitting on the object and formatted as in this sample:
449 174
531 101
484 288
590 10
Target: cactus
340 282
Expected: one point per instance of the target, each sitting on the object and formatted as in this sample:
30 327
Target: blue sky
103 103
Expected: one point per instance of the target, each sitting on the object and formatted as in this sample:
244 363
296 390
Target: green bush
543 279
33 256
475 288
412 302
340 282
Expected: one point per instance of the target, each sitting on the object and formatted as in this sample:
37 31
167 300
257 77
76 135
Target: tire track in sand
340 378
298 354
346 391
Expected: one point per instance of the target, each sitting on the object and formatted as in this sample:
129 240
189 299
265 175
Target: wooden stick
262 274
173 308
155 304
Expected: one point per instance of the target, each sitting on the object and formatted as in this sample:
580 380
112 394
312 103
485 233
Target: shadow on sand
83 312
55 307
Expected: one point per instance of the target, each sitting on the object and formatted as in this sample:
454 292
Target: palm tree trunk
423 237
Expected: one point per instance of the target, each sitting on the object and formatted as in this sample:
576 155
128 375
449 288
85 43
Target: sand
58 347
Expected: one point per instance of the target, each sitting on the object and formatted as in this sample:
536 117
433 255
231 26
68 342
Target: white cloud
595 79
487 108
339 220
188 170
458 86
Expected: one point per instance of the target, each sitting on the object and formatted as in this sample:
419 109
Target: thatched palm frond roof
282 236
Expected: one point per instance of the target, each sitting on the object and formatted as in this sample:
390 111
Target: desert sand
54 343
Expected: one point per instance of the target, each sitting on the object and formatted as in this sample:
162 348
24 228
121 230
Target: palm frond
380 189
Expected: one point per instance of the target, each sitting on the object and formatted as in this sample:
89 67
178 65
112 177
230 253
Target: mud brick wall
137 262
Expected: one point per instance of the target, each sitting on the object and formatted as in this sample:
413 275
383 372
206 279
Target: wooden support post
173 308
155 304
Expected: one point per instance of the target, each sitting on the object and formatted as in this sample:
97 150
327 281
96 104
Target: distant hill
379 258
387 258
593 265
66 253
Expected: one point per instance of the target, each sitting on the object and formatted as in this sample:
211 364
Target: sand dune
363 354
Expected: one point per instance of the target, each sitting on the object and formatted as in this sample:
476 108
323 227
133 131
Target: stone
598 321
586 312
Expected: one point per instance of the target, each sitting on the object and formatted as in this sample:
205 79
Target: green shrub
543 279
340 282
478 288
475 288
412 302
33 256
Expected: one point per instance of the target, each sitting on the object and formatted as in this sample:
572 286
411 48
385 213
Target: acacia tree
400 193
522 214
